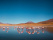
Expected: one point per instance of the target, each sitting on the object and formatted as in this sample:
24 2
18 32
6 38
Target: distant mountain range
50 21
1 23
43 22
30 23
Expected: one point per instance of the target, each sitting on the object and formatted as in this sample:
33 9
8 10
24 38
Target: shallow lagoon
16 33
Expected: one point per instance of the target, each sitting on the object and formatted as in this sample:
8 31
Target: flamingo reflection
18 30
14 28
22 30
29 30
3 29
7 29
42 30
38 32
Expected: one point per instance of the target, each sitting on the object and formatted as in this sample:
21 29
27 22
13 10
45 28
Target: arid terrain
43 23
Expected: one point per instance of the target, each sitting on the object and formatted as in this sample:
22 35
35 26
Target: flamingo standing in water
38 32
3 27
7 27
29 32
42 27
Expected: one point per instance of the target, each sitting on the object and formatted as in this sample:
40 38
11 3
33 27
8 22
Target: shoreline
26 24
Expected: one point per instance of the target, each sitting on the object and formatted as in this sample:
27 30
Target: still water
17 33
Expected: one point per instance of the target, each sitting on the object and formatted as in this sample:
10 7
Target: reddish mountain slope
30 22
45 22
1 23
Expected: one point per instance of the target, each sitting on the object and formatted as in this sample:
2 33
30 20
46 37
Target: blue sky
22 11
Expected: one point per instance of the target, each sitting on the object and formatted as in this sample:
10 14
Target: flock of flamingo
29 30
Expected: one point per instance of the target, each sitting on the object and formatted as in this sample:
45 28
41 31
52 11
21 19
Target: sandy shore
34 24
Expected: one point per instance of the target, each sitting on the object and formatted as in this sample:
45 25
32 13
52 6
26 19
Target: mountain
46 22
1 23
50 21
29 22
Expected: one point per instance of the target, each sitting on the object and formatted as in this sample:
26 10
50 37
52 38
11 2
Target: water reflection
20 29
7 28
26 32
29 30
34 30
42 30
14 28
3 29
